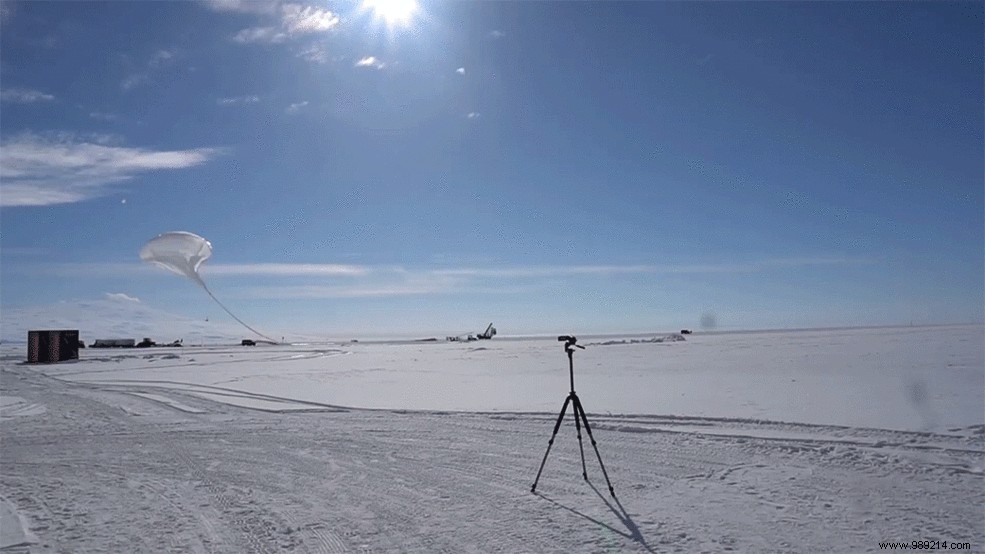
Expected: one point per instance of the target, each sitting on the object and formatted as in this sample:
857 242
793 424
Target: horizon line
387 337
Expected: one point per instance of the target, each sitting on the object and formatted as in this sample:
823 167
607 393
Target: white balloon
178 251
183 253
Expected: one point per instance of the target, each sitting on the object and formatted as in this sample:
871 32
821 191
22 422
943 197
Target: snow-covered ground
800 441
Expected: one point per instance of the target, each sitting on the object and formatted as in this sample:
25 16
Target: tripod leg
579 409
550 443
574 408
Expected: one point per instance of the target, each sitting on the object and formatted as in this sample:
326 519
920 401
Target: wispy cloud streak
157 61
105 116
312 292
213 269
295 20
326 281
24 96
296 107
286 269
604 270
238 100
270 35
244 6
42 171
370 61
461 275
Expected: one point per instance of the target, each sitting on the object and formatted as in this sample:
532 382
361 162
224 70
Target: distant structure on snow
51 346
489 333
114 343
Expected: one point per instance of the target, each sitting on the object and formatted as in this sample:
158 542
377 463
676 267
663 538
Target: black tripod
579 412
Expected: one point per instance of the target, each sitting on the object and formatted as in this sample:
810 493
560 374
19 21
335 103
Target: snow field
257 450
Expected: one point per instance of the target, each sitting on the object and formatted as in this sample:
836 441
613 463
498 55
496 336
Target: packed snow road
139 468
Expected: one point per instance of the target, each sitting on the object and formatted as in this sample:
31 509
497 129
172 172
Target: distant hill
115 316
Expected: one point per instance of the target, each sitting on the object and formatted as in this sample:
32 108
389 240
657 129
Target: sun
394 13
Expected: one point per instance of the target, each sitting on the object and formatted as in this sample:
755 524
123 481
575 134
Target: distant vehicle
489 333
114 343
685 331
146 343
248 342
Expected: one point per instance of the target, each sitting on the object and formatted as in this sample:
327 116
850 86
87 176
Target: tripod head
569 343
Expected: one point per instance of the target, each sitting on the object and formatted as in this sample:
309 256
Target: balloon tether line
223 306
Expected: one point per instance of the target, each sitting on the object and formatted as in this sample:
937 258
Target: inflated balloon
180 252
183 253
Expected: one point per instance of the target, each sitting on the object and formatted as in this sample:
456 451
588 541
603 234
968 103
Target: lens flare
393 13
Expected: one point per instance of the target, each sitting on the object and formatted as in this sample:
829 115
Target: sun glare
394 13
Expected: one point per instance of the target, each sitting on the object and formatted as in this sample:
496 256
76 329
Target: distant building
51 346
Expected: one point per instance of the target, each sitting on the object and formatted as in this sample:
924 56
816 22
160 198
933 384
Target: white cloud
446 276
123 297
295 20
545 271
370 61
496 34
134 80
104 116
244 6
314 53
317 281
253 270
460 71
158 60
286 269
24 96
319 291
473 115
296 107
238 100
270 35
298 19
413 287
161 57
105 139
606 270
62 169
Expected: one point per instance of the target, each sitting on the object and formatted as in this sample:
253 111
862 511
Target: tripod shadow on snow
632 531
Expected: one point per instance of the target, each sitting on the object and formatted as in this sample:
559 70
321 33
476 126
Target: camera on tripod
569 341
578 411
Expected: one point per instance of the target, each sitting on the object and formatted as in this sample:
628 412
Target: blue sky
416 168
